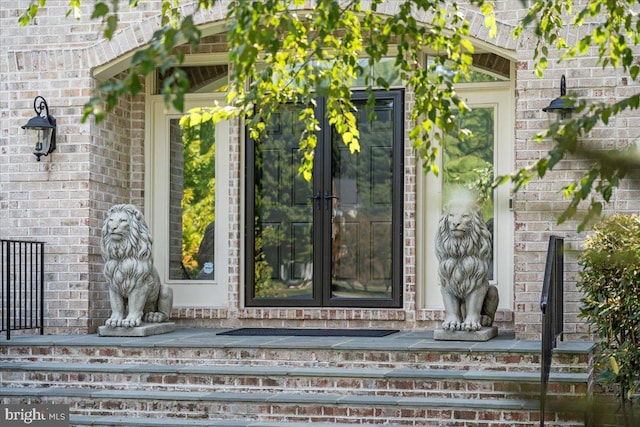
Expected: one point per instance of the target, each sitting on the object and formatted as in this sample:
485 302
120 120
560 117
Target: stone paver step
144 408
209 338
291 371
404 350
199 378
299 398
102 421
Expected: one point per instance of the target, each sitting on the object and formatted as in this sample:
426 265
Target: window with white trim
187 186
472 163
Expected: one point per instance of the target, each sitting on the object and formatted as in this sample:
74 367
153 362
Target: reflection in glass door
283 213
469 163
362 209
337 240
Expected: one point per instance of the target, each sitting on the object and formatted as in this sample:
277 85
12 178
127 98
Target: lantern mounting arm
38 108
562 106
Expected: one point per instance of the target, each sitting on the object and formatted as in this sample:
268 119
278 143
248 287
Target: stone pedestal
484 334
143 330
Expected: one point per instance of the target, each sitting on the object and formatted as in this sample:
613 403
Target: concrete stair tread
209 338
93 420
328 372
280 398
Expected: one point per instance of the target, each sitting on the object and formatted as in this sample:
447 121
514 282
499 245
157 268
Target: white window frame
189 293
429 202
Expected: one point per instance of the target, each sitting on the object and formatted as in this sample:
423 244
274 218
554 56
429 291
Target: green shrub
610 282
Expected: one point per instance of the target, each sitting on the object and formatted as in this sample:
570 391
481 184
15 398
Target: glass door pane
284 208
362 189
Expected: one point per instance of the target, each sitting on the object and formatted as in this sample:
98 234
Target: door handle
316 199
328 197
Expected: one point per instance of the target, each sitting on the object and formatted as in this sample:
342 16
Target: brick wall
117 176
537 207
62 199
47 200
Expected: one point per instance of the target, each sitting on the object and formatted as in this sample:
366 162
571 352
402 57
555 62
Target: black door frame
321 295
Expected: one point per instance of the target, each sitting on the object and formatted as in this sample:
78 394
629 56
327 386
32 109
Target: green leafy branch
281 52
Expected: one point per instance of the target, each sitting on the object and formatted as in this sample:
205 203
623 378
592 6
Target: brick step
198 377
289 407
399 382
409 353
109 421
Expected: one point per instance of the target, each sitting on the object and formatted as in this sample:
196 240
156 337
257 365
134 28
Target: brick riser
311 357
398 383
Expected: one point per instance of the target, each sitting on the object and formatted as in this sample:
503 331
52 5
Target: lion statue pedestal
485 333
140 304
465 251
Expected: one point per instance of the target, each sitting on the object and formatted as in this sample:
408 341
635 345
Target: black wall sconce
45 126
561 106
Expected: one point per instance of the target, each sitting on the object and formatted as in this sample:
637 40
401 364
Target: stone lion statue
464 251
135 291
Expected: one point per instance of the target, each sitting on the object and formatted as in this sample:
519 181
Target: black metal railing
551 304
22 276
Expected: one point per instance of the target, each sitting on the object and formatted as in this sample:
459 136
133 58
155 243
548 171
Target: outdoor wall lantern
45 127
562 106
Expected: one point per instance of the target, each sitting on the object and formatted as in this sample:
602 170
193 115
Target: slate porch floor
209 338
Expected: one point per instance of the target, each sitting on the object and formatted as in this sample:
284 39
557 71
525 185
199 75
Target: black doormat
296 332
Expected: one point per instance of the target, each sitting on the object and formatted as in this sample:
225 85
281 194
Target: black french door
334 241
